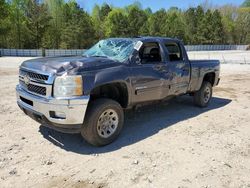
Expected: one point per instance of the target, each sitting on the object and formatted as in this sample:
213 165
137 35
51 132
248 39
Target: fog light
58 115
61 115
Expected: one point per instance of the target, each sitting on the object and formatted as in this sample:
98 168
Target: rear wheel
103 122
204 95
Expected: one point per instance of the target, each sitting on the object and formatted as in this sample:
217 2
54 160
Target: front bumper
43 110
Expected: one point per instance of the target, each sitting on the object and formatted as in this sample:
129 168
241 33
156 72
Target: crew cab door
148 78
178 67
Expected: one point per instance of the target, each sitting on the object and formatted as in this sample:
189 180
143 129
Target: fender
203 73
118 74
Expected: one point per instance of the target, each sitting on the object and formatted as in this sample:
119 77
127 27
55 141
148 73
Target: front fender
119 74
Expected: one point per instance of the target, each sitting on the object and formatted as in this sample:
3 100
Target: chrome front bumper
74 109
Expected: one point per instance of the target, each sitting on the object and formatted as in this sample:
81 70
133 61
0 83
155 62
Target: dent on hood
89 64
55 65
66 65
69 67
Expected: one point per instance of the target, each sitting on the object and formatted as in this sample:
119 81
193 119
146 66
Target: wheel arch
209 77
117 91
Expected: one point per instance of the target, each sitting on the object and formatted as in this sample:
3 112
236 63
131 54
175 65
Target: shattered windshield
116 49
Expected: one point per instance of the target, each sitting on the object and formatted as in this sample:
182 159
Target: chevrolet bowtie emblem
26 79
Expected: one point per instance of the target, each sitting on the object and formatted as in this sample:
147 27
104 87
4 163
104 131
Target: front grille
37 89
34 88
34 76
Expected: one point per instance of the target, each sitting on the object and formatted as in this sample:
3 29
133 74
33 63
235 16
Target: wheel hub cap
207 94
107 123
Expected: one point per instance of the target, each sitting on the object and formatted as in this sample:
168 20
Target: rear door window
174 51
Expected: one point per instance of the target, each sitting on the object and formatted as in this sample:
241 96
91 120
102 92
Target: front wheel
204 95
103 122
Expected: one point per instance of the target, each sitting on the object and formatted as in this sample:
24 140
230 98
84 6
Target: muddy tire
204 95
103 122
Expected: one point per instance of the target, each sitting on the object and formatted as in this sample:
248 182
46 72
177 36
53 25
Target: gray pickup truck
88 94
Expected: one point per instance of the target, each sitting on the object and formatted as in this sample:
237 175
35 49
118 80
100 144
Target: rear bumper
45 110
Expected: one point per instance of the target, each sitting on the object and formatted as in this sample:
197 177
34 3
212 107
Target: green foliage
55 8
116 24
155 23
206 28
218 31
104 11
4 22
78 27
229 14
246 3
136 20
190 19
37 22
3 9
64 24
201 26
174 25
99 15
18 25
243 26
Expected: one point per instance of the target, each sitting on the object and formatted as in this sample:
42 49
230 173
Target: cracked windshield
116 49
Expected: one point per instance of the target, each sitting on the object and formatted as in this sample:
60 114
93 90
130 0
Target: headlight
67 86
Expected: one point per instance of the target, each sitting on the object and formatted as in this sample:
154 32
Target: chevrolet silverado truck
88 94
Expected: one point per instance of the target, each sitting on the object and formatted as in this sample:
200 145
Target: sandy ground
167 145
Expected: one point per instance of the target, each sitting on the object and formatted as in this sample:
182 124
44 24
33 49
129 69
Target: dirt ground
167 145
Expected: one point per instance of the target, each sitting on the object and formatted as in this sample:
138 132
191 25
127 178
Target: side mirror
136 55
135 58
138 60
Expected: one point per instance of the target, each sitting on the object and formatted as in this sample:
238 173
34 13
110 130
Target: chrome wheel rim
107 123
207 94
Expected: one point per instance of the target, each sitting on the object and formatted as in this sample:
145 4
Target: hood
69 65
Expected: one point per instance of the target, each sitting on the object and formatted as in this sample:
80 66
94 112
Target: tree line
63 24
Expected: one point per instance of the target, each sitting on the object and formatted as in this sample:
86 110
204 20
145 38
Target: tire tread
198 95
89 132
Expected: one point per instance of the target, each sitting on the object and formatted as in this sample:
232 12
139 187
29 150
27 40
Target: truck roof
148 38
155 37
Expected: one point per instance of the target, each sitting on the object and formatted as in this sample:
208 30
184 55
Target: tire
103 122
204 95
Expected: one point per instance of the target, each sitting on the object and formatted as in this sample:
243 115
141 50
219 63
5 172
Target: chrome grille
37 89
37 83
34 88
34 76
